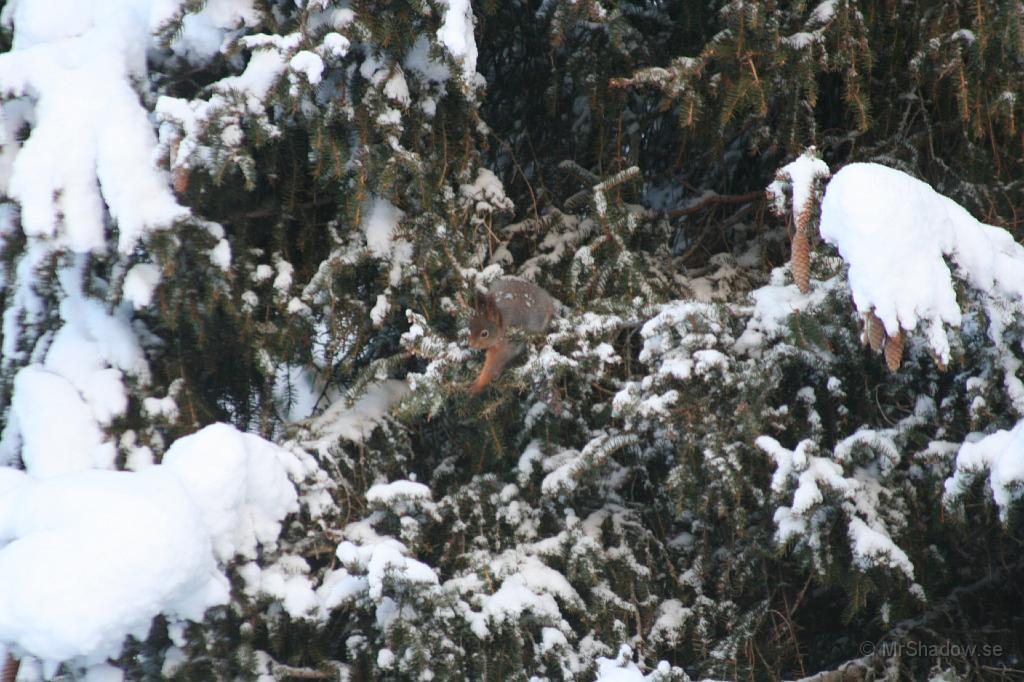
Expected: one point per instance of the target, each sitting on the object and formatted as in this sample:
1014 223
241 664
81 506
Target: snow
773 305
379 225
336 44
529 585
397 89
386 494
871 546
800 40
61 404
623 669
509 602
418 60
296 307
824 12
233 100
220 255
54 426
283 280
243 492
896 231
385 659
859 496
286 581
389 117
152 540
103 673
456 34
382 217
342 17
531 454
676 321
308 64
355 422
380 310
568 465
487 192
164 407
1001 455
965 35
77 61
552 640
668 626
263 272
367 565
800 174
204 33
140 283
265 66
138 530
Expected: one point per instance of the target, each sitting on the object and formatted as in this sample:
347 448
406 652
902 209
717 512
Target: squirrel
508 304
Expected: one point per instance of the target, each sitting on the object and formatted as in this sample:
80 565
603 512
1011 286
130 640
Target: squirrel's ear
479 301
491 305
493 312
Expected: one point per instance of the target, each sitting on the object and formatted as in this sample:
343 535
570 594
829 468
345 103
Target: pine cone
894 351
804 218
875 331
10 669
800 263
179 174
180 180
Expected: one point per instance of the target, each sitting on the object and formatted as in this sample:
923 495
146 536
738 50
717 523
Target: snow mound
81 68
386 494
896 233
242 493
61 405
89 557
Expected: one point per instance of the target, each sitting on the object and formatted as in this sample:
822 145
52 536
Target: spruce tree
701 469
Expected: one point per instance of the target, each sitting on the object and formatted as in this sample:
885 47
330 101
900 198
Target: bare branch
713 199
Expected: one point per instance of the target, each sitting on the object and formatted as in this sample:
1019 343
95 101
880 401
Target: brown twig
519 169
716 199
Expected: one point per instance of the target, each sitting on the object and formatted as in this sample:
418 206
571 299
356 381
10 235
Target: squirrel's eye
484 334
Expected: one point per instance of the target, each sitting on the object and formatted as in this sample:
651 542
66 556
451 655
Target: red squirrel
508 304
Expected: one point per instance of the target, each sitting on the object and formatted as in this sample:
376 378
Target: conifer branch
714 200
579 172
858 668
282 671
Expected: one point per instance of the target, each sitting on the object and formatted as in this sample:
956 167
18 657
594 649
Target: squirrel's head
485 326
